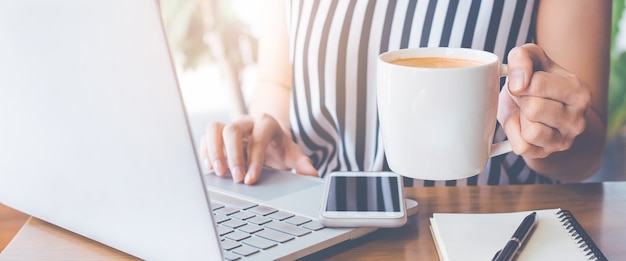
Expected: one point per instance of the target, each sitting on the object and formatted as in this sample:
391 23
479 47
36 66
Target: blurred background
214 46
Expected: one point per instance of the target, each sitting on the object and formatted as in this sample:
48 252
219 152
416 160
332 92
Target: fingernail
246 179
205 162
217 166
516 80
237 174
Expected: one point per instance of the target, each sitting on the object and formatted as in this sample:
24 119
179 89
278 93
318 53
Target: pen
511 247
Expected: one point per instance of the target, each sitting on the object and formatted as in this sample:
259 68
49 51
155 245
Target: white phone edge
383 221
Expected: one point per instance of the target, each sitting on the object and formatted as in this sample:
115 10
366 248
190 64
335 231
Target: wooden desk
599 207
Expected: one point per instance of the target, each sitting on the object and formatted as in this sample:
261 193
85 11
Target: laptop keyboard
246 228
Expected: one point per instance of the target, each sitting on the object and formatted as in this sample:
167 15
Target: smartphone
363 199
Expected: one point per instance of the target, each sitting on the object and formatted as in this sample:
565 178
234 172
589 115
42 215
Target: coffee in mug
436 62
437 109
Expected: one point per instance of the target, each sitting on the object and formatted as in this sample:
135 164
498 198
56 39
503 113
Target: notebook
556 236
95 139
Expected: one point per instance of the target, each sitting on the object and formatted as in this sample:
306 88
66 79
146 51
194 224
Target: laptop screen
94 135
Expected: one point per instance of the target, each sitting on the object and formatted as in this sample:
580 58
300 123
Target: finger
215 147
541 136
507 105
567 120
549 112
532 72
562 87
204 153
520 146
522 62
234 136
304 166
266 130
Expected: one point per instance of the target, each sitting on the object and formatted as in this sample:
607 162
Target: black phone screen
363 194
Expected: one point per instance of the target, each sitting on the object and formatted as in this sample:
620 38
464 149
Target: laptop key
230 256
215 205
238 203
229 244
227 211
233 223
259 220
297 220
288 228
245 250
251 228
313 225
259 242
280 215
274 235
263 210
243 215
223 230
237 235
220 218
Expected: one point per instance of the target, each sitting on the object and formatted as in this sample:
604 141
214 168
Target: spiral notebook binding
584 241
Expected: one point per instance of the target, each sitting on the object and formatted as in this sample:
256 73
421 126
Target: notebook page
479 236
550 239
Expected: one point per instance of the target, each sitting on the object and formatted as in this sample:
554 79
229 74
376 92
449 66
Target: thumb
304 166
522 62
298 161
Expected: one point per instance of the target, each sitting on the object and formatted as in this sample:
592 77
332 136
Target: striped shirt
333 48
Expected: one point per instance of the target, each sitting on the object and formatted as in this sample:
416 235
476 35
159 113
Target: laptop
94 138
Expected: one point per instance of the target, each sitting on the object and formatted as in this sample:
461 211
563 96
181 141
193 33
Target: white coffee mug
438 123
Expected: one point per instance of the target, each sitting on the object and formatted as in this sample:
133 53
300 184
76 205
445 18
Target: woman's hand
259 139
543 106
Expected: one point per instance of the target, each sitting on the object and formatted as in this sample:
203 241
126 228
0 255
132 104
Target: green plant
617 78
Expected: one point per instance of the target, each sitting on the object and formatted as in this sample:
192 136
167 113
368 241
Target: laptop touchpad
272 184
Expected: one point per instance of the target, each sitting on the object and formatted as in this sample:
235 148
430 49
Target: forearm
579 162
579 40
273 90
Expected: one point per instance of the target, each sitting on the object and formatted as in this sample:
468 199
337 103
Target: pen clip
496 255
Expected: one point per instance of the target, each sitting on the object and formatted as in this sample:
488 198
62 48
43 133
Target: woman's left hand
542 107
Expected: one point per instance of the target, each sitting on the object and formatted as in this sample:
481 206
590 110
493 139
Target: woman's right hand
260 140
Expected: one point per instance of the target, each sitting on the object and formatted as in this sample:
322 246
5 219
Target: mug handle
500 148
503 146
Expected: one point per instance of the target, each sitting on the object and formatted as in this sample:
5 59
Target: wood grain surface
599 207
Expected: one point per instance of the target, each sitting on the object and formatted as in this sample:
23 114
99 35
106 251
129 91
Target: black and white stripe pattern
334 46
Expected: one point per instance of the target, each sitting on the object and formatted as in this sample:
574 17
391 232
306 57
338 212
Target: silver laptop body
94 137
